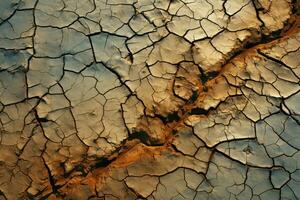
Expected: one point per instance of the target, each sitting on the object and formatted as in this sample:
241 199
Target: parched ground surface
149 99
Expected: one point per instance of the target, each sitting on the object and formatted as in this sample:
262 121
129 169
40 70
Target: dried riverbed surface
149 99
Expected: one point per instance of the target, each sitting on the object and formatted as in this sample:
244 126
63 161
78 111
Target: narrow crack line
51 179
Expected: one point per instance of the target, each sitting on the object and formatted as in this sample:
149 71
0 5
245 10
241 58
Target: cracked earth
149 99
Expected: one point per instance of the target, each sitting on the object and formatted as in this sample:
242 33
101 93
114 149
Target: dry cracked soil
149 99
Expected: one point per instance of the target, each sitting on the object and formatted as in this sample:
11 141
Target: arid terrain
149 99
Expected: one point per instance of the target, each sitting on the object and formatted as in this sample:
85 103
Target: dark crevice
171 117
102 162
55 188
193 98
199 111
142 136
3 195
208 76
42 119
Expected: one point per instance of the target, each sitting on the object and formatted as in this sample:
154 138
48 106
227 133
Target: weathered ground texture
149 99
